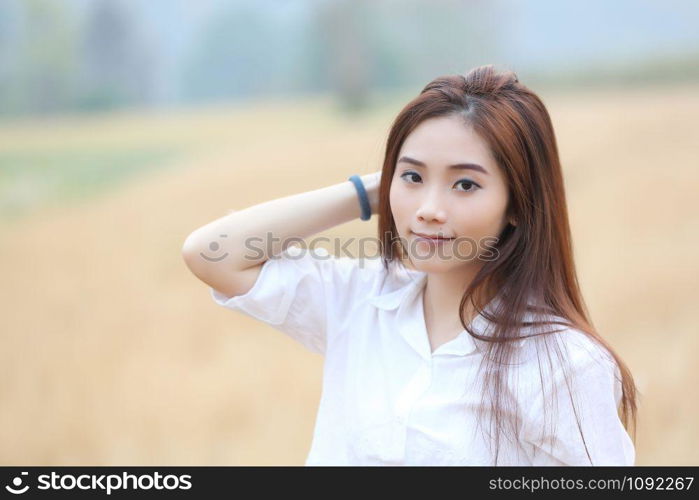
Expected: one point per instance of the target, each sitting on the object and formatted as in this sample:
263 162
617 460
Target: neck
443 293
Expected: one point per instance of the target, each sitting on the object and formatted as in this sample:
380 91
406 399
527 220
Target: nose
431 207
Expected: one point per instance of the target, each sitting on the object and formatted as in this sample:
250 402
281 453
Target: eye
470 183
406 174
472 186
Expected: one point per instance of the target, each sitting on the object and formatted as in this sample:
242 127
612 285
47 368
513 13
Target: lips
431 237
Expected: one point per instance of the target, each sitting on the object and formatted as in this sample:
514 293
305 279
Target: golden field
113 353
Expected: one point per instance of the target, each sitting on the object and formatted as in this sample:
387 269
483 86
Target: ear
511 216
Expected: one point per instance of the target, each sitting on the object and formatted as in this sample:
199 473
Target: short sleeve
596 389
293 291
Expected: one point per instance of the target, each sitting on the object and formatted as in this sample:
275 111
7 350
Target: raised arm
295 216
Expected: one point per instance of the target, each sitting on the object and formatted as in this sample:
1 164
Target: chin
433 265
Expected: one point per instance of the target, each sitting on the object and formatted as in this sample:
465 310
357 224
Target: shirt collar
409 281
413 329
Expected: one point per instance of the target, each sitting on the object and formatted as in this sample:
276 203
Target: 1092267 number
657 483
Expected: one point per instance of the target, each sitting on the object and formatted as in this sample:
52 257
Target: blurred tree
120 67
342 24
8 56
365 45
39 69
417 40
237 55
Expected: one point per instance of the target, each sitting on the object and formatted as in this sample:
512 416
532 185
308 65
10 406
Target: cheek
483 219
399 205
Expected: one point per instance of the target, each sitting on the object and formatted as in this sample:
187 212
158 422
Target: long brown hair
535 255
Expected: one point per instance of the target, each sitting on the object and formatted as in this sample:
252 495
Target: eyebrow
458 166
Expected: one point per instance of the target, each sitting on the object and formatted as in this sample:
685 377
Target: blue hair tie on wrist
363 197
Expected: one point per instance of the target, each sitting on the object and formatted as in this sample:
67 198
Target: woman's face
466 203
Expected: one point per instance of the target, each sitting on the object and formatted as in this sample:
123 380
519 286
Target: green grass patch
30 179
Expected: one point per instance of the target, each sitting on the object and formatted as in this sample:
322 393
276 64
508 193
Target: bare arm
269 226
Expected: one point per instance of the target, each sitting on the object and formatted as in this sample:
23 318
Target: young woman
468 342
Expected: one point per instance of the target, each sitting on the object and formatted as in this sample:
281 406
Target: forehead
446 140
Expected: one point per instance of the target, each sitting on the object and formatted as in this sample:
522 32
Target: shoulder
566 355
582 350
558 334
339 278
320 260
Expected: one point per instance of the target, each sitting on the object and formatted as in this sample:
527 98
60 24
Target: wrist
371 183
362 196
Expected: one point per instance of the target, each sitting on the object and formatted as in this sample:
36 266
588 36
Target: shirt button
321 251
294 250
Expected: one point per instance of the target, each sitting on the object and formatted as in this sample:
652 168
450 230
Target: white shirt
388 400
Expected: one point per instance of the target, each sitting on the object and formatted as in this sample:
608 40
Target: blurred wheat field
113 353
